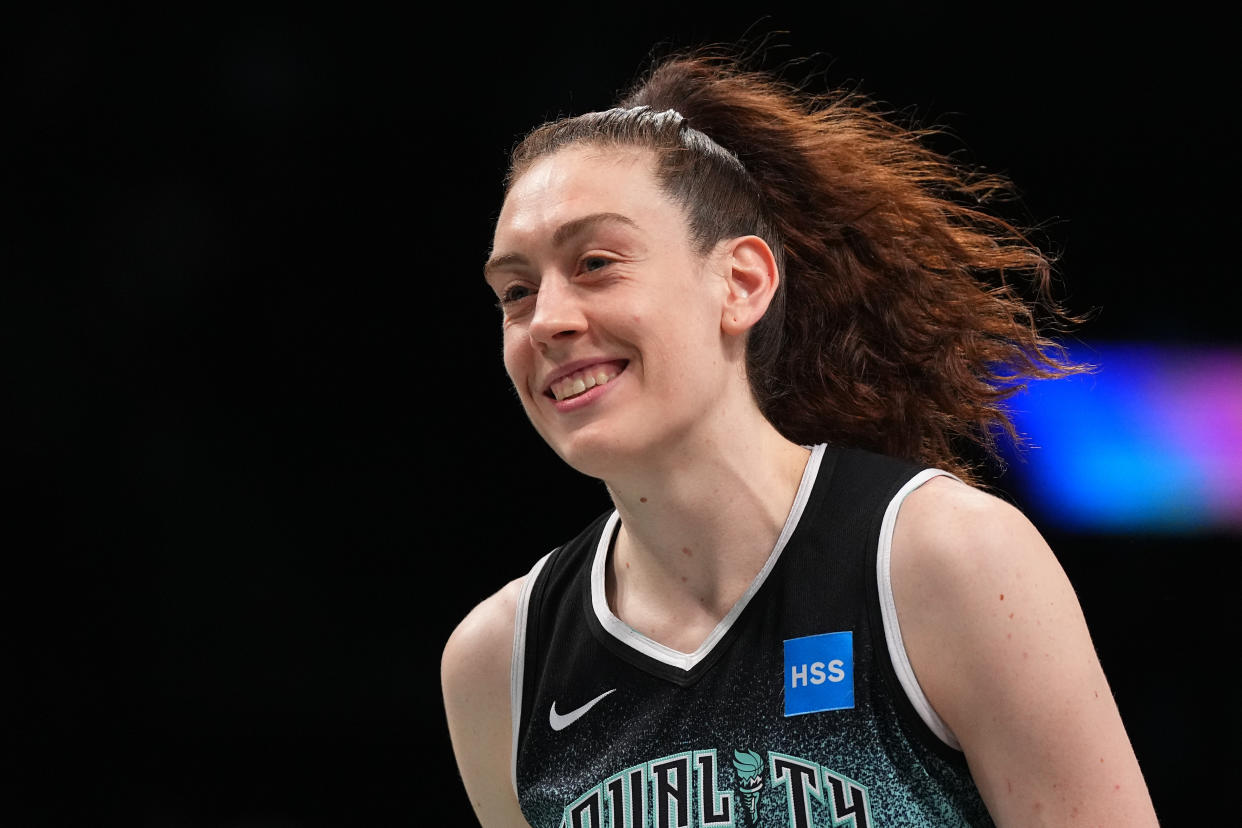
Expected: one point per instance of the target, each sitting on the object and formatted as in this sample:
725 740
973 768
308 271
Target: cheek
516 360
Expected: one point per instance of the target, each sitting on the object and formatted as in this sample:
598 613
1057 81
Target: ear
751 278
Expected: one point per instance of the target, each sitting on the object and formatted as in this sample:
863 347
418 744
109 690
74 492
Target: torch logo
749 766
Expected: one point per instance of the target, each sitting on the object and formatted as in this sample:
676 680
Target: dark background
263 456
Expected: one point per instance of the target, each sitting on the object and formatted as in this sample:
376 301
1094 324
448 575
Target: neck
697 528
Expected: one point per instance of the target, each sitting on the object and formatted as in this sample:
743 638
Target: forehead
582 180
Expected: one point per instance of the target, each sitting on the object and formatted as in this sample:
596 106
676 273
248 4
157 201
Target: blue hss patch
819 673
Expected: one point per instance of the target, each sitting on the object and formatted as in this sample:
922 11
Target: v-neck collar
634 641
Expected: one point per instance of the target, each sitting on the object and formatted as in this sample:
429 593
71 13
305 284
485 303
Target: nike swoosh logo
560 722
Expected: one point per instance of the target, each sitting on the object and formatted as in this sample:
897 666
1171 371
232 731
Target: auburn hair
897 326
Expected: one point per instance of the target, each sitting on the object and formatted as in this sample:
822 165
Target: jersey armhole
888 612
517 664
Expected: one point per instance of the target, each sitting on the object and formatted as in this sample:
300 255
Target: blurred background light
1151 442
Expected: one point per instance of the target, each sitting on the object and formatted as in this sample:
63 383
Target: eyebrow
561 236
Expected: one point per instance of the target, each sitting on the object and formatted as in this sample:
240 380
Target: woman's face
612 321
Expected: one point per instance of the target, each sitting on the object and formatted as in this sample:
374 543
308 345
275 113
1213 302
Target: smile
579 382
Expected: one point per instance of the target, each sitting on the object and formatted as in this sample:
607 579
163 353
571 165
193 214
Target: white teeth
575 384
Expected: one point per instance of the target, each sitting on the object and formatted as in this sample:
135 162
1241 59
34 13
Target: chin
615 453
594 458
595 452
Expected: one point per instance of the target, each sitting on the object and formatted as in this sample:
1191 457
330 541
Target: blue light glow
1152 442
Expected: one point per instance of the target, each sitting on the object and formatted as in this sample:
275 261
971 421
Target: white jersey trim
667 655
888 610
517 665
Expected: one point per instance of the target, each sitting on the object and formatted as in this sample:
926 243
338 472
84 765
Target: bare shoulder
964 565
968 572
485 634
1000 648
948 519
963 556
474 677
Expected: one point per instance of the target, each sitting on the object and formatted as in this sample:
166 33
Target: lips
580 380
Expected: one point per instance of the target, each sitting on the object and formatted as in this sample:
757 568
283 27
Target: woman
763 321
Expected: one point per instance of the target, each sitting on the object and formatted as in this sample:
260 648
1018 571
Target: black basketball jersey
796 711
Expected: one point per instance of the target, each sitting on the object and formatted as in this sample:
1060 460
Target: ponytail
895 327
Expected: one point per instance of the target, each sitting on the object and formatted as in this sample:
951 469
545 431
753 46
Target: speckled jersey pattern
711 741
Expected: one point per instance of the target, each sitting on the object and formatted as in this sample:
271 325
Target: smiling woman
598 281
764 320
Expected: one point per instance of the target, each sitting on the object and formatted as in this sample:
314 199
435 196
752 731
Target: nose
558 314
